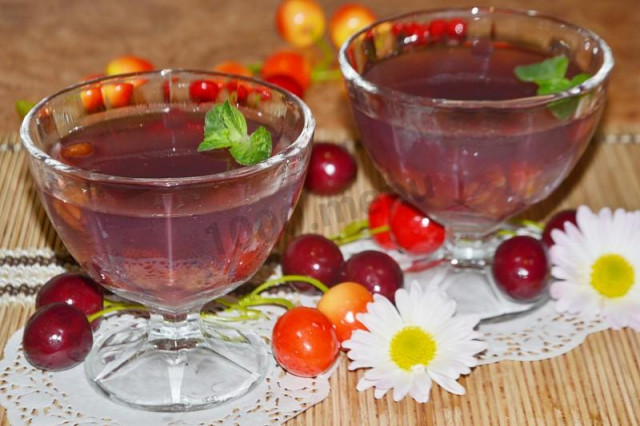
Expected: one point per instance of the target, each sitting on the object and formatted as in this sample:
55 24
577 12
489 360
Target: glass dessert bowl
157 222
454 131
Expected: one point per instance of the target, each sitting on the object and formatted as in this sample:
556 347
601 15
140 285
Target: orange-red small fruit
341 304
126 64
117 94
232 67
300 22
347 20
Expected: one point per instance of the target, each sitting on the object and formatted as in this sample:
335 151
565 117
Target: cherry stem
242 305
245 314
356 231
328 56
258 301
289 278
320 74
255 67
113 307
532 224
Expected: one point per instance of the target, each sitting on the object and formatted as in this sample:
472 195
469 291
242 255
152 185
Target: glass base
476 293
178 366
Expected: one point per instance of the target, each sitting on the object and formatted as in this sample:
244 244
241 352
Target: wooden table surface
46 45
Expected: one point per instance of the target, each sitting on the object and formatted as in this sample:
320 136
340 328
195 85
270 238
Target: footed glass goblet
454 131
116 164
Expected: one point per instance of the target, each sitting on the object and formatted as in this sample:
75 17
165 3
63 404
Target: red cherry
92 99
57 337
331 169
520 268
413 230
290 64
203 90
438 29
314 256
304 342
286 83
457 28
240 90
379 214
558 221
375 270
79 291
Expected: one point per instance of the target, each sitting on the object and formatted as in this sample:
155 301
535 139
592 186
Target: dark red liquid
172 246
467 168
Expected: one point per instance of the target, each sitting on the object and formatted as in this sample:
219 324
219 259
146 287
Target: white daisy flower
419 342
597 265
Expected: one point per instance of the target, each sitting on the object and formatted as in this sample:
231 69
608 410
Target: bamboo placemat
597 383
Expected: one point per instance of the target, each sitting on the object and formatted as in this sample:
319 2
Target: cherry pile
434 31
306 341
59 336
318 257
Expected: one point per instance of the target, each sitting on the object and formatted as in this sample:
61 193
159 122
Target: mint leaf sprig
550 76
226 127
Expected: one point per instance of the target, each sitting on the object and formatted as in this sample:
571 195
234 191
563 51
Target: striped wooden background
597 383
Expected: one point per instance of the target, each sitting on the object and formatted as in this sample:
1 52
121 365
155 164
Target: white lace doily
38 397
44 398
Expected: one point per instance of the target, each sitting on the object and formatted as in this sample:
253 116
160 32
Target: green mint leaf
549 69
564 108
549 75
579 79
553 86
213 120
234 121
226 127
215 140
255 150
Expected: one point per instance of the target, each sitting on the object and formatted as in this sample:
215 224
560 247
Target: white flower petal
421 387
379 393
405 306
447 384
364 384
401 389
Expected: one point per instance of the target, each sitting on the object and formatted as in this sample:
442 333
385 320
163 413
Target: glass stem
165 328
470 251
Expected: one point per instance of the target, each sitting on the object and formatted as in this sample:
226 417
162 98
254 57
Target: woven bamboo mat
597 383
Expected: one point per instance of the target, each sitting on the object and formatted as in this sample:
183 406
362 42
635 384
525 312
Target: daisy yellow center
612 275
412 346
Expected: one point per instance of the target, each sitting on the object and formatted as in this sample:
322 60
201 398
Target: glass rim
292 150
352 76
